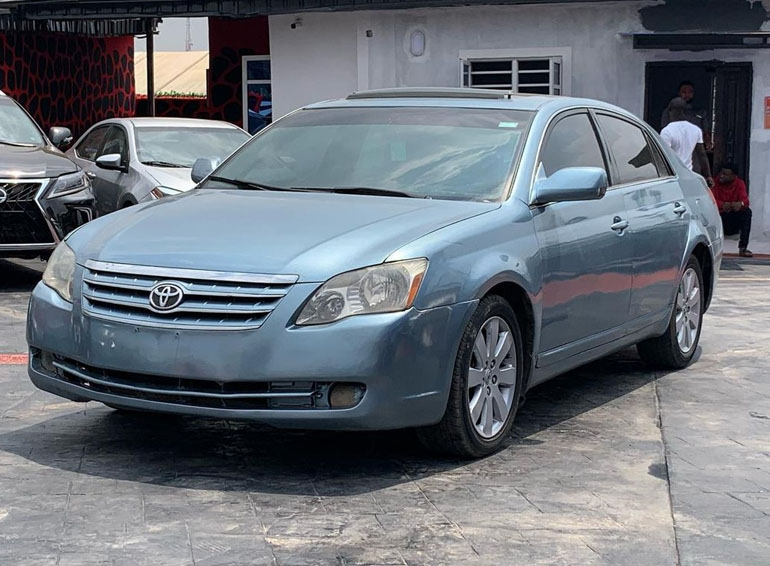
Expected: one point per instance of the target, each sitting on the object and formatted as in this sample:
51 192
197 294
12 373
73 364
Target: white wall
331 56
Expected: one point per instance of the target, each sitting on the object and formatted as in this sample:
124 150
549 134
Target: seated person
733 202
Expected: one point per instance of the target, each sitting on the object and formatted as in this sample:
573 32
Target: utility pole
188 38
150 67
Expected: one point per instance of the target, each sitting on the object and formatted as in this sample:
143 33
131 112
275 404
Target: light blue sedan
399 258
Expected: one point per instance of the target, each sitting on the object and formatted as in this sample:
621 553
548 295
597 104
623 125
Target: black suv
43 195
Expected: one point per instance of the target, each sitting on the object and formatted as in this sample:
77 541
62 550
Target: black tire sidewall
488 308
683 358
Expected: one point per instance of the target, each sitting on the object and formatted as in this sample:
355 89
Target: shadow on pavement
20 276
198 453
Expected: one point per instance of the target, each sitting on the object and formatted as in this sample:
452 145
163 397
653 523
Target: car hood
175 177
312 235
33 162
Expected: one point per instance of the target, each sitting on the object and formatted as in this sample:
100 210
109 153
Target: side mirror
60 136
202 167
111 162
572 184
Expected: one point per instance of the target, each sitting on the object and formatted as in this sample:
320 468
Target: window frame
561 56
246 82
657 153
85 137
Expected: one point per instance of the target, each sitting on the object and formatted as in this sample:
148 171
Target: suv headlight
389 287
70 184
59 271
161 191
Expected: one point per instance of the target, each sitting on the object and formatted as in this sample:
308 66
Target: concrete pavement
611 464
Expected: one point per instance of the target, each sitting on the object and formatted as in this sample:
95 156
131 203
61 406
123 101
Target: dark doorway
722 90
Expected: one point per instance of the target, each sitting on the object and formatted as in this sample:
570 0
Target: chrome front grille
211 300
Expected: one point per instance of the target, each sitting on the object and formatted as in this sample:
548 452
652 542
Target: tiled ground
611 464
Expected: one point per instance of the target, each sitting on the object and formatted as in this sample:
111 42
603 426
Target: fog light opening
46 361
345 395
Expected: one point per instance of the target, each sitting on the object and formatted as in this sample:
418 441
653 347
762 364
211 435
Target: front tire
675 349
486 385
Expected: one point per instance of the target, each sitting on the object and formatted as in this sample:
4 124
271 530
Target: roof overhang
95 9
701 41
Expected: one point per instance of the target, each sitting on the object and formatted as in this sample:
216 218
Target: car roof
464 98
171 122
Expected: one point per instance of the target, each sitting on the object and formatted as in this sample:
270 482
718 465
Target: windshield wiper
249 185
373 191
16 144
163 164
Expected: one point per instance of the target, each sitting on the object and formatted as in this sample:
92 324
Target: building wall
65 80
330 56
229 41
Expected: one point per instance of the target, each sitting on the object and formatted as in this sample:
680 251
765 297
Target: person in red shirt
733 202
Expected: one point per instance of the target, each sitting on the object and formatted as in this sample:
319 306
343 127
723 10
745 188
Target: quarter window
571 142
91 144
631 152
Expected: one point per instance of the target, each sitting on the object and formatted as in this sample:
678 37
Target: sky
172 32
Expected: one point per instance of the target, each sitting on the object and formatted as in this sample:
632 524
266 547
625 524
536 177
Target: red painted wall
67 80
229 40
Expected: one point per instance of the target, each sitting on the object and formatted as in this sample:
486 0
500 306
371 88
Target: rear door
657 215
586 256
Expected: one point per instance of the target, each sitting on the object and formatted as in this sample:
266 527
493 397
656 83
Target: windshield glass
16 126
181 146
450 153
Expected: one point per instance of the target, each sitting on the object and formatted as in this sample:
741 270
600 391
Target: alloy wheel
492 377
688 311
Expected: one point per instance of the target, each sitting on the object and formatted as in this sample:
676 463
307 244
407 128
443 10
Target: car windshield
424 152
181 146
15 126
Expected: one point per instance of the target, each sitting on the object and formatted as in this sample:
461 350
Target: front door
586 254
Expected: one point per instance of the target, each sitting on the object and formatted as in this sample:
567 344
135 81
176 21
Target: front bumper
32 224
404 361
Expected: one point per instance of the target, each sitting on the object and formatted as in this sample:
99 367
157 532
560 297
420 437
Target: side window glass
633 156
116 142
571 143
91 144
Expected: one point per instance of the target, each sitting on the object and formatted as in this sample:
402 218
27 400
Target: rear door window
634 159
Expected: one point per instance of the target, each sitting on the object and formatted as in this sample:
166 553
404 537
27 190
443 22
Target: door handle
679 209
619 224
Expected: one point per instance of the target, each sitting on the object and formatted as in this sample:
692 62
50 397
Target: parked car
133 160
404 258
43 195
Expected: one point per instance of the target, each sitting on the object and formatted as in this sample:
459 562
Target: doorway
722 90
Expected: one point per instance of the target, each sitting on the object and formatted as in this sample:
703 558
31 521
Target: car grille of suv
21 220
211 300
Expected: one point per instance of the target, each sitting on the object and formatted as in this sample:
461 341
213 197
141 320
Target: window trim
85 136
564 53
245 82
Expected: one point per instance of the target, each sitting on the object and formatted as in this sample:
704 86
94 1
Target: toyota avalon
400 258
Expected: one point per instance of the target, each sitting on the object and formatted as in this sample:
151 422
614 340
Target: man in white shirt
685 138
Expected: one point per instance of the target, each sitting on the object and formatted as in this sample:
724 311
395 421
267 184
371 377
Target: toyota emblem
3 196
166 296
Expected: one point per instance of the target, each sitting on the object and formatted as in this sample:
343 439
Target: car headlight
161 191
388 287
59 271
69 184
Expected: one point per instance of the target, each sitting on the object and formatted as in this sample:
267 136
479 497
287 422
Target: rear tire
675 349
486 385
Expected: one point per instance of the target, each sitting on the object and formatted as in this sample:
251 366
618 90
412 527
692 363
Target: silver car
133 160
